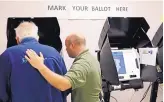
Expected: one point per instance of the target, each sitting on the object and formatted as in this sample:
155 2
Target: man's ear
72 45
17 39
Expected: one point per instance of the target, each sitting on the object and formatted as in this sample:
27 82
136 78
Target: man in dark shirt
21 83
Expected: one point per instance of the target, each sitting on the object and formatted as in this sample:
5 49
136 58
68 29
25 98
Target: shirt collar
28 39
81 54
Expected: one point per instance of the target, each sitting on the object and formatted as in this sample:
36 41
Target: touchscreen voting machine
127 64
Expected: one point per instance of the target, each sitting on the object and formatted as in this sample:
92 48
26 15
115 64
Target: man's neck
80 50
27 39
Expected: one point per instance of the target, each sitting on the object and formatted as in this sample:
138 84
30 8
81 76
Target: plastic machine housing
49 30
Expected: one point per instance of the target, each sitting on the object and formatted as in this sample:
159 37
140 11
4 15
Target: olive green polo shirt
85 78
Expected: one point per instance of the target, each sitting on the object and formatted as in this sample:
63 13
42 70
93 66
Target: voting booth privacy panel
125 34
49 30
158 42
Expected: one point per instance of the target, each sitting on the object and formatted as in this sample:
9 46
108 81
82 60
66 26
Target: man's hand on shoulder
35 60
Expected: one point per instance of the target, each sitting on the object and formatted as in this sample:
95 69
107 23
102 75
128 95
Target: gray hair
27 29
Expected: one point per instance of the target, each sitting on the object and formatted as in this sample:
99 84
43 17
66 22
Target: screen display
119 62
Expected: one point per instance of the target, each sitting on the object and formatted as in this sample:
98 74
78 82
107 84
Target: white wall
91 29
152 11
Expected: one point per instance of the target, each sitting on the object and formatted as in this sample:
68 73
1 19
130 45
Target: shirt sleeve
5 70
77 75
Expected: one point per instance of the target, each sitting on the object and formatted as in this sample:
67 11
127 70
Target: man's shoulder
51 52
13 48
5 54
81 62
89 60
48 48
88 57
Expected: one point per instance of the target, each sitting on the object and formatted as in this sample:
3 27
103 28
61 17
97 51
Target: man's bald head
76 39
75 44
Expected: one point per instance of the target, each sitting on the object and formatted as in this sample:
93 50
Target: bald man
84 76
19 82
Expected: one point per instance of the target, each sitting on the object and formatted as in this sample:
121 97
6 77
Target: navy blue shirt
20 82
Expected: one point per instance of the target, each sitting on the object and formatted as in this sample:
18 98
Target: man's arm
58 81
74 78
5 69
54 79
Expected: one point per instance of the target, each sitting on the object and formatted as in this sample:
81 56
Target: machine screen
119 62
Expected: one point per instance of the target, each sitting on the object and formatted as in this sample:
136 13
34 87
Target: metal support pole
154 91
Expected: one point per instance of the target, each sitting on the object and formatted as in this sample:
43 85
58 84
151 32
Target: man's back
22 83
